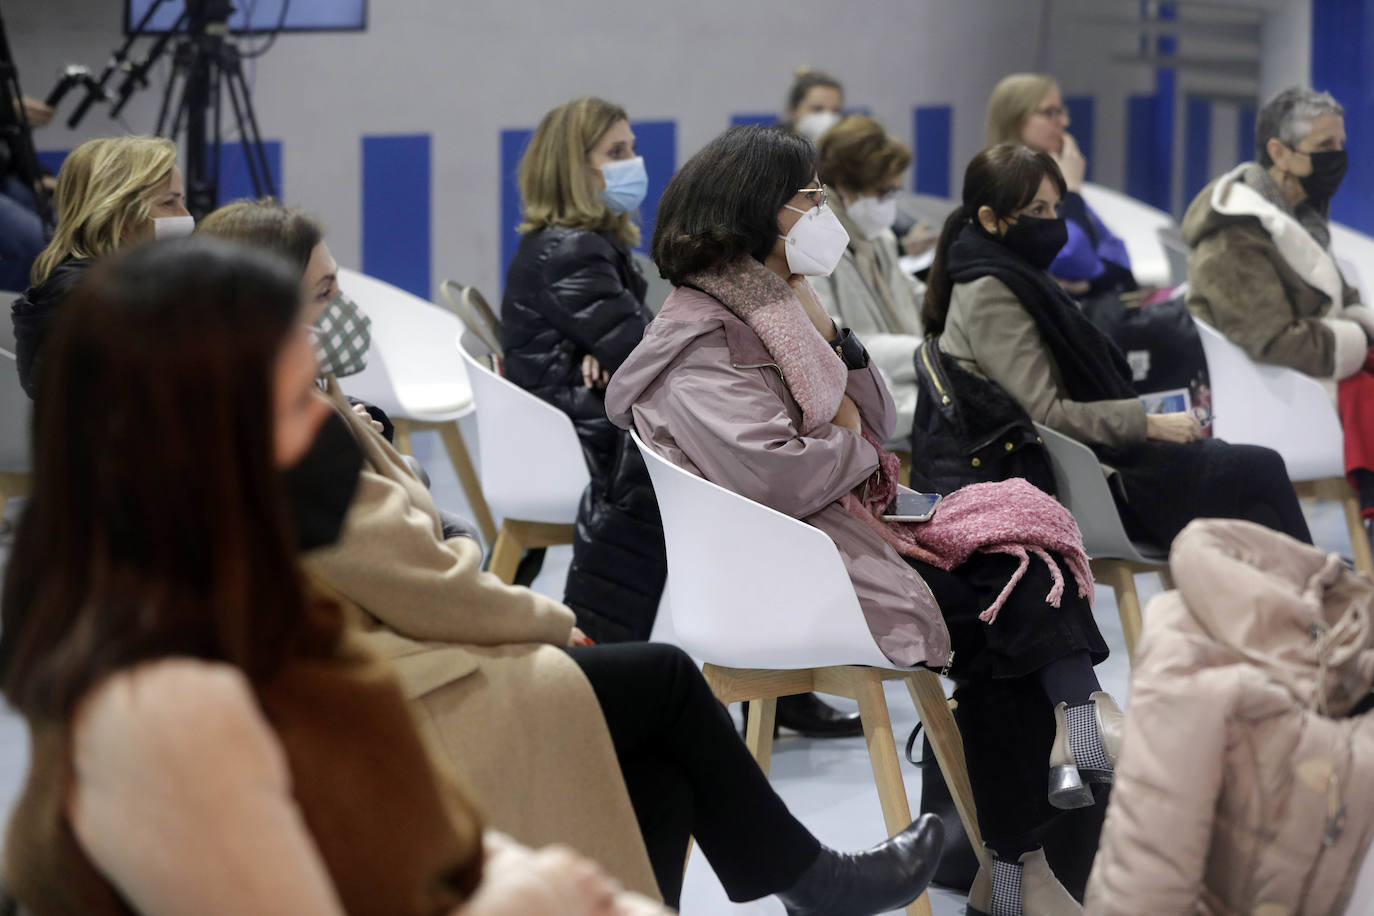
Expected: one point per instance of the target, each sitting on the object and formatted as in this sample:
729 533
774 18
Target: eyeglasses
811 195
1054 112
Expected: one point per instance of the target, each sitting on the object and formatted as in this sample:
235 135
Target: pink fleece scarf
810 368
1006 516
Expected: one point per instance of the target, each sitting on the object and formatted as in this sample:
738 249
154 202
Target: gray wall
463 71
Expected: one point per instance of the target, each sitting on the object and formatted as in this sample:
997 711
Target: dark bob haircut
723 203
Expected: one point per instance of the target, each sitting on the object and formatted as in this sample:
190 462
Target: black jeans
1003 713
689 774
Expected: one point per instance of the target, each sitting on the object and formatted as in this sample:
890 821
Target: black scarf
1090 364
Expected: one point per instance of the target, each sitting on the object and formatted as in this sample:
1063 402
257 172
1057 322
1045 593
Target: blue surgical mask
626 184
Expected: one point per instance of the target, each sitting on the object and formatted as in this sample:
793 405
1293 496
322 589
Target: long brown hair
269 223
158 523
1003 178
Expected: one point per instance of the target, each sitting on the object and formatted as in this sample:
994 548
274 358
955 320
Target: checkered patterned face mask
342 336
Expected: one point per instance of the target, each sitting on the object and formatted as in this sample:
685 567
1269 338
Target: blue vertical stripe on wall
1197 152
933 129
397 196
1081 124
767 119
1245 134
656 141
236 181
1150 126
1343 64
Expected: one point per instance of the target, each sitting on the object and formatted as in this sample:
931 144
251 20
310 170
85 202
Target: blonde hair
1012 103
555 188
103 188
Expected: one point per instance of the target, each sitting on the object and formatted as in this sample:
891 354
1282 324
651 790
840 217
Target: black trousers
689 774
1003 714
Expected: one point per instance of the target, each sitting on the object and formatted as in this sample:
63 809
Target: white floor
827 784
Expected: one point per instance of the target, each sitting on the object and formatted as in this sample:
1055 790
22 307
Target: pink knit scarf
1006 516
763 300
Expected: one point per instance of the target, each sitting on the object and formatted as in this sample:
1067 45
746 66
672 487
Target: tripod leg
248 142
248 129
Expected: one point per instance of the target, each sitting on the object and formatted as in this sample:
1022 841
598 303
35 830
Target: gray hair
1289 116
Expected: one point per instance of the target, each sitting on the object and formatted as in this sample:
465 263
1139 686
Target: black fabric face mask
1037 239
320 487
1328 169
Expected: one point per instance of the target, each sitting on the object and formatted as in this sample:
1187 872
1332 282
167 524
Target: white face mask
815 243
872 215
816 123
173 227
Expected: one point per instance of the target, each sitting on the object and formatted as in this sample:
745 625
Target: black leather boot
806 714
885 877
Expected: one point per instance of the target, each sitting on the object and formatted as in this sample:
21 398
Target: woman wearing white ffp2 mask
814 103
862 167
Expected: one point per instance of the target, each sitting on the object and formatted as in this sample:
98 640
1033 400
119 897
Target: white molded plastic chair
533 471
472 309
1137 224
1354 253
1291 413
1176 252
412 375
740 604
1084 491
16 455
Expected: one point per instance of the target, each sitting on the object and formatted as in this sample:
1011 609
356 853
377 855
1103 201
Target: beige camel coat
481 662
1245 785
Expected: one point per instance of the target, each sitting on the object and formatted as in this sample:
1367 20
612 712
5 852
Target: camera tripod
16 135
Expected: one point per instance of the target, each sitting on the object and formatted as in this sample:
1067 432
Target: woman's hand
593 376
578 638
1071 163
1172 427
814 310
517 881
1074 287
919 240
361 411
848 416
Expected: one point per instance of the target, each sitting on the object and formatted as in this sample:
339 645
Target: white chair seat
1137 224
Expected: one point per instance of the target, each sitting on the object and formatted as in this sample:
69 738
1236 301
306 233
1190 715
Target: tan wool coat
1257 276
1245 784
992 335
481 662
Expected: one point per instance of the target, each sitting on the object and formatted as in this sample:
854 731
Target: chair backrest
1137 224
1084 491
472 309
530 458
411 370
659 288
15 412
1279 408
750 587
1176 251
1354 253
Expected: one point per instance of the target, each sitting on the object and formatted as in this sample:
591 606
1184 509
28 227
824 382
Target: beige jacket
1244 785
481 661
1257 276
990 333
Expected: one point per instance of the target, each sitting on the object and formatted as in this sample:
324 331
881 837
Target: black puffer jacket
34 313
571 292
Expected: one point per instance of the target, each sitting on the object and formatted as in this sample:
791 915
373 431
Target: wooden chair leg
1121 579
461 459
758 730
882 756
1359 539
929 697
401 435
507 551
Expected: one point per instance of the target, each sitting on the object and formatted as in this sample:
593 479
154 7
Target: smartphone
910 506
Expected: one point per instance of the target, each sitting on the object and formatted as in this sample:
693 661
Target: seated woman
1004 322
815 103
738 380
474 655
110 192
861 167
1261 270
573 308
1027 108
207 733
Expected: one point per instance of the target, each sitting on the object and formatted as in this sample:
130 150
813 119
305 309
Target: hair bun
802 71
